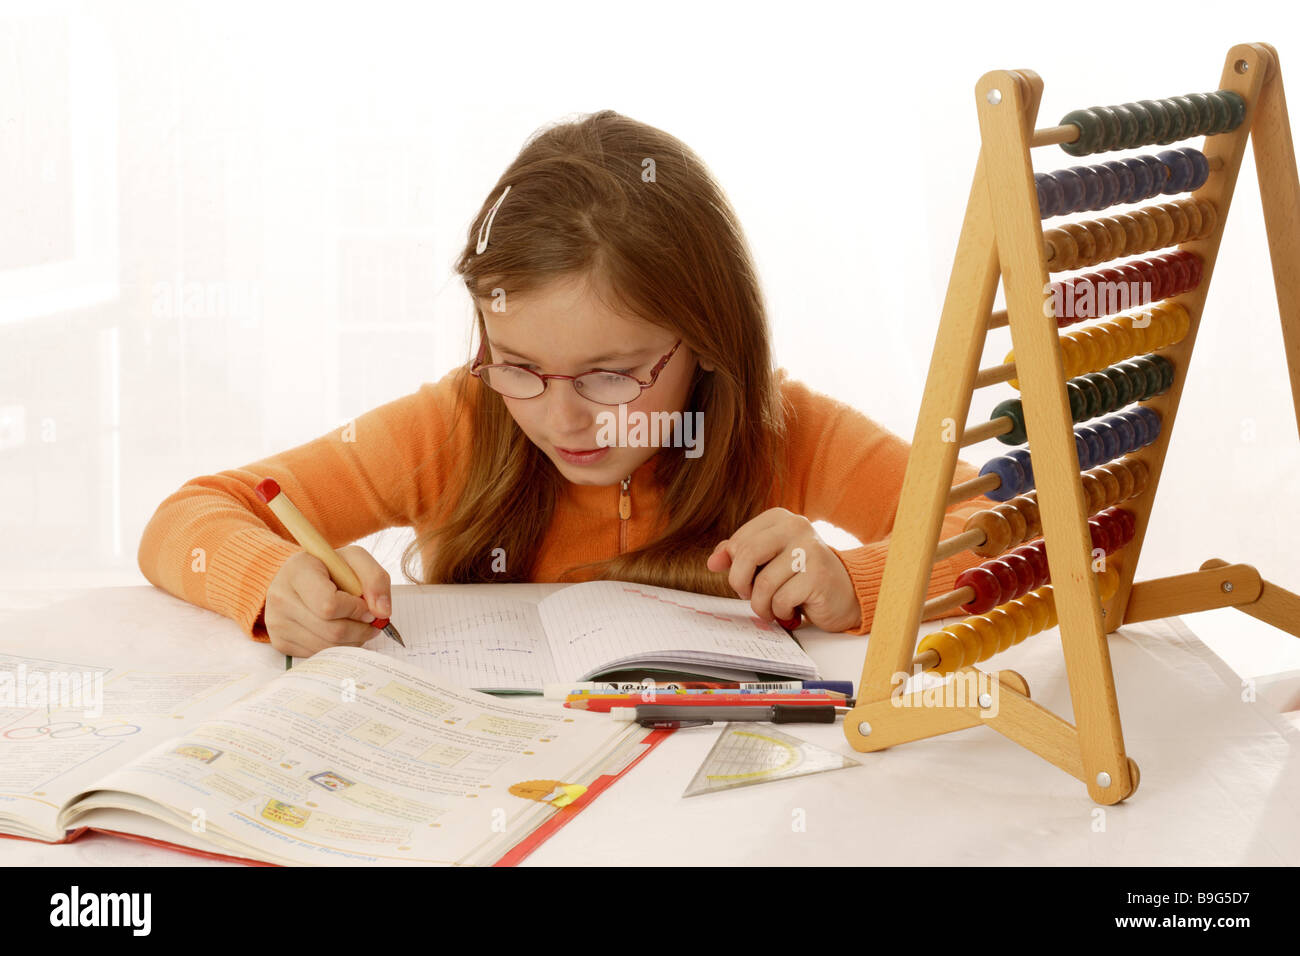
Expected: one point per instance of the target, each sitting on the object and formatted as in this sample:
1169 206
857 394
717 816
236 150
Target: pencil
314 543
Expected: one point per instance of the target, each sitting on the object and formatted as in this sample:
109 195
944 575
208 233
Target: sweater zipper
624 512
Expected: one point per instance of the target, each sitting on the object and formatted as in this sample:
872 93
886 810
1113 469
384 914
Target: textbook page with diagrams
478 638
350 757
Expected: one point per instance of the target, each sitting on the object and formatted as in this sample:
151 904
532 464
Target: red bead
987 588
1008 580
1024 571
1037 559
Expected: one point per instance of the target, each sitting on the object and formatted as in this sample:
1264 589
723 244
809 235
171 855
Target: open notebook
476 638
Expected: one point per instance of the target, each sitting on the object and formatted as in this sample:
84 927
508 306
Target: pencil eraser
267 489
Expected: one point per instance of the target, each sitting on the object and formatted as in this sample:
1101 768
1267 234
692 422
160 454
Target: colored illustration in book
197 752
554 792
330 780
285 813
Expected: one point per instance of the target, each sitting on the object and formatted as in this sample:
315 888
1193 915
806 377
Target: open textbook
351 757
475 637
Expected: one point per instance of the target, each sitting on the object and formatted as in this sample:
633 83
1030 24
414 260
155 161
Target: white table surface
1220 778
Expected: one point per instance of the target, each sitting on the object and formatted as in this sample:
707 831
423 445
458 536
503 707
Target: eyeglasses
599 385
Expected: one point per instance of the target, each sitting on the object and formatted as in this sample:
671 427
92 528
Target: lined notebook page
471 640
600 624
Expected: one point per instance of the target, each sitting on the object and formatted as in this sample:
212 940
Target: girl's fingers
772 578
375 583
789 596
720 559
322 597
748 555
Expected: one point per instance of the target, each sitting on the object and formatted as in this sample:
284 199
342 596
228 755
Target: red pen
605 704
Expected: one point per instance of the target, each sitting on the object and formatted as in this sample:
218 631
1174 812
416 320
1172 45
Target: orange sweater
214 543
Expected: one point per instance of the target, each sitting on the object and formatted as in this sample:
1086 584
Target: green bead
1111 129
1146 124
1222 114
1105 389
1139 377
1078 402
1166 369
1149 376
1177 122
1122 382
1159 118
1092 397
1206 110
1236 108
1014 410
1128 124
1090 131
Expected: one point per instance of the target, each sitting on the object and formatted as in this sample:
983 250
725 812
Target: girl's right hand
306 612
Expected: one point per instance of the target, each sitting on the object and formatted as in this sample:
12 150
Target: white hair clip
485 230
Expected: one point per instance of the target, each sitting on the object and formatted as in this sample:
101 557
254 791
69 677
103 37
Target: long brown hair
637 212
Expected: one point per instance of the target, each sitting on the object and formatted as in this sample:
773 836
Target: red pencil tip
267 489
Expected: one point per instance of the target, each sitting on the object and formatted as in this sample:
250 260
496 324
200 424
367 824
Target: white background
231 228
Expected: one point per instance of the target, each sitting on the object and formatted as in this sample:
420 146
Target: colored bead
1110 485
1011 474
1193 213
1049 194
1205 112
1083 241
1091 187
1222 115
1015 519
1024 621
985 584
1209 218
1103 243
1021 456
995 528
1145 123
1200 168
1141 178
971 642
1109 185
1180 170
1111 128
990 636
1090 132
1178 122
1128 127
1159 114
1236 108
1007 578
1107 583
1078 401
1159 175
1109 395
1179 220
1164 226
1071 190
1072 357
947 646
1061 249
1037 558
1124 179
1006 627
1094 494
1014 410
1132 231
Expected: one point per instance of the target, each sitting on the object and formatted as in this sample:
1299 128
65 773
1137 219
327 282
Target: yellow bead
1049 601
1100 345
1071 356
946 646
1024 620
1182 321
1006 626
988 632
1038 610
1107 582
1011 360
971 642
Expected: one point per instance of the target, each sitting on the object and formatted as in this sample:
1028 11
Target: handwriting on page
606 622
470 641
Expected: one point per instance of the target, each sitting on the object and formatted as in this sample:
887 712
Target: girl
612 288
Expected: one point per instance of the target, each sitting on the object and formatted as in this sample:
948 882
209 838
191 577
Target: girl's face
563 328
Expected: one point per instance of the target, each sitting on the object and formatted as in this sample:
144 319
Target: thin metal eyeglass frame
654 376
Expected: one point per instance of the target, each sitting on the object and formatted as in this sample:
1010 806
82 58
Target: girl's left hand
778 562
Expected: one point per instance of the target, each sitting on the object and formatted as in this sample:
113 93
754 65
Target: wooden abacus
1082 532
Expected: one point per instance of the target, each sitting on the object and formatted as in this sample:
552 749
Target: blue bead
1021 455
1096 446
1071 189
1159 175
1009 470
1049 194
1126 436
1141 178
1152 418
1109 185
1200 168
1140 428
1083 450
1091 187
1180 170
1125 178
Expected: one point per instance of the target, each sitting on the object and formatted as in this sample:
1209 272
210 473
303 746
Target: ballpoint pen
314 543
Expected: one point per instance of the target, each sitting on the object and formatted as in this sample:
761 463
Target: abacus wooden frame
1002 236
